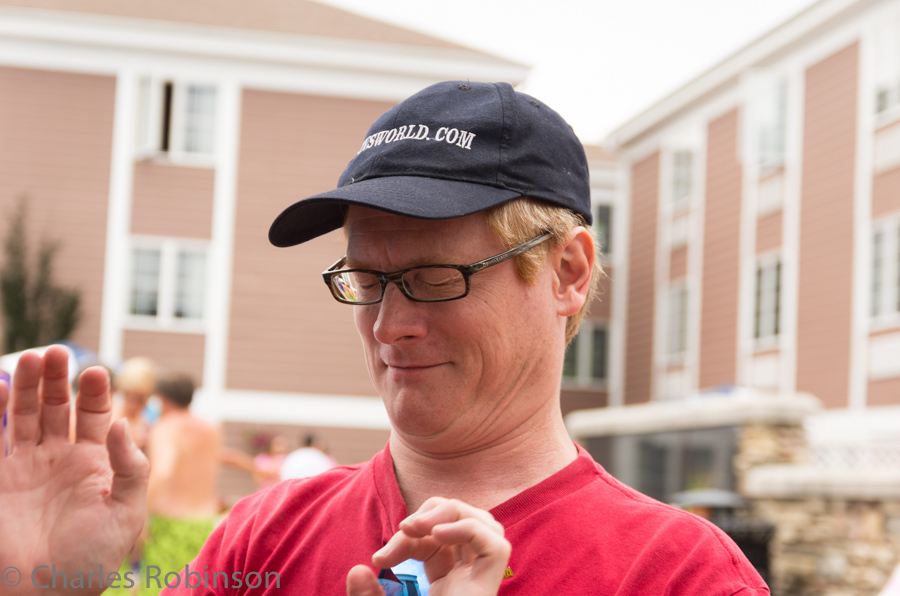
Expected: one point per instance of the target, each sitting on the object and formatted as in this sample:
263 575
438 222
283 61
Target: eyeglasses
424 283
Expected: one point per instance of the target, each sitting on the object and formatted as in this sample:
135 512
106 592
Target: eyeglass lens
426 283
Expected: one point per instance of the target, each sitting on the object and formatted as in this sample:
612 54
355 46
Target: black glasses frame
397 277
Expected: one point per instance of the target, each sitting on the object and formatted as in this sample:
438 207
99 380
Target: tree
36 311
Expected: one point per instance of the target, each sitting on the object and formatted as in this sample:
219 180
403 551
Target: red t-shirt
580 531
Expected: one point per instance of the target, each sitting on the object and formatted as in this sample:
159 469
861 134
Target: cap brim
412 196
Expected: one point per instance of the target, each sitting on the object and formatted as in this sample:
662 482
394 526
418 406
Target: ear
574 264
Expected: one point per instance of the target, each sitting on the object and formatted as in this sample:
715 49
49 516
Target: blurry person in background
133 386
307 461
264 467
181 498
267 464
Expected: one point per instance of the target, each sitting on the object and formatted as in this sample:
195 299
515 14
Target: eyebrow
418 262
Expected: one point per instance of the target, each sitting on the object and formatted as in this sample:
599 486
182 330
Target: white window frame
677 318
606 244
583 344
683 201
165 319
886 50
151 108
770 194
766 124
768 302
884 304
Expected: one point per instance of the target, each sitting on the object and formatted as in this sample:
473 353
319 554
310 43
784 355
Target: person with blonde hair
469 261
134 384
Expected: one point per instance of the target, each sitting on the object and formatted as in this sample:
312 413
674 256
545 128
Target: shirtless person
181 500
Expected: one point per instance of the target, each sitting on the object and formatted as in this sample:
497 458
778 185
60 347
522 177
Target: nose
398 317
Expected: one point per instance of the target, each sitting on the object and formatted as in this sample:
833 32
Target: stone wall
831 546
837 529
761 443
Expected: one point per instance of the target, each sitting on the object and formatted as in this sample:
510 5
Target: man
469 263
181 496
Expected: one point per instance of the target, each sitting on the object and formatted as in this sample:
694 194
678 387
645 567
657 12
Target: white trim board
101 43
304 409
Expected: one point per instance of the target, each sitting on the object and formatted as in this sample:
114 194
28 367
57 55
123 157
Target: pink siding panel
721 254
170 200
883 392
287 332
678 263
768 232
55 148
578 399
641 280
826 228
886 193
182 351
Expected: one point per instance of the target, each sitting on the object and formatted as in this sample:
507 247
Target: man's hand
75 506
462 547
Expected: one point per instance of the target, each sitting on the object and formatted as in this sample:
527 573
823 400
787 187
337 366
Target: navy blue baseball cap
452 149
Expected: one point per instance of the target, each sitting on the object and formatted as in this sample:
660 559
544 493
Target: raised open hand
65 507
462 547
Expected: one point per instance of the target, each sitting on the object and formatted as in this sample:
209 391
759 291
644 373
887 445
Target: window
661 464
603 227
766 119
176 119
887 67
676 344
885 288
167 282
145 281
767 305
682 178
585 360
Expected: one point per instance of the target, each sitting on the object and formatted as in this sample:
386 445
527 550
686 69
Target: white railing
855 456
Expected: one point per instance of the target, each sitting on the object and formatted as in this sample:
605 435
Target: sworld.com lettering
47 577
419 132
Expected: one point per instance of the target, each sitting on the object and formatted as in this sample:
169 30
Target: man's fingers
402 546
130 466
444 534
475 545
437 510
25 406
361 581
482 540
93 407
435 532
54 395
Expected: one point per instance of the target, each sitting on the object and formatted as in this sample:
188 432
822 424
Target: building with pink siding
763 221
158 140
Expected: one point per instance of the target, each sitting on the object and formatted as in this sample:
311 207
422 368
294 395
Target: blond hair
521 219
137 375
